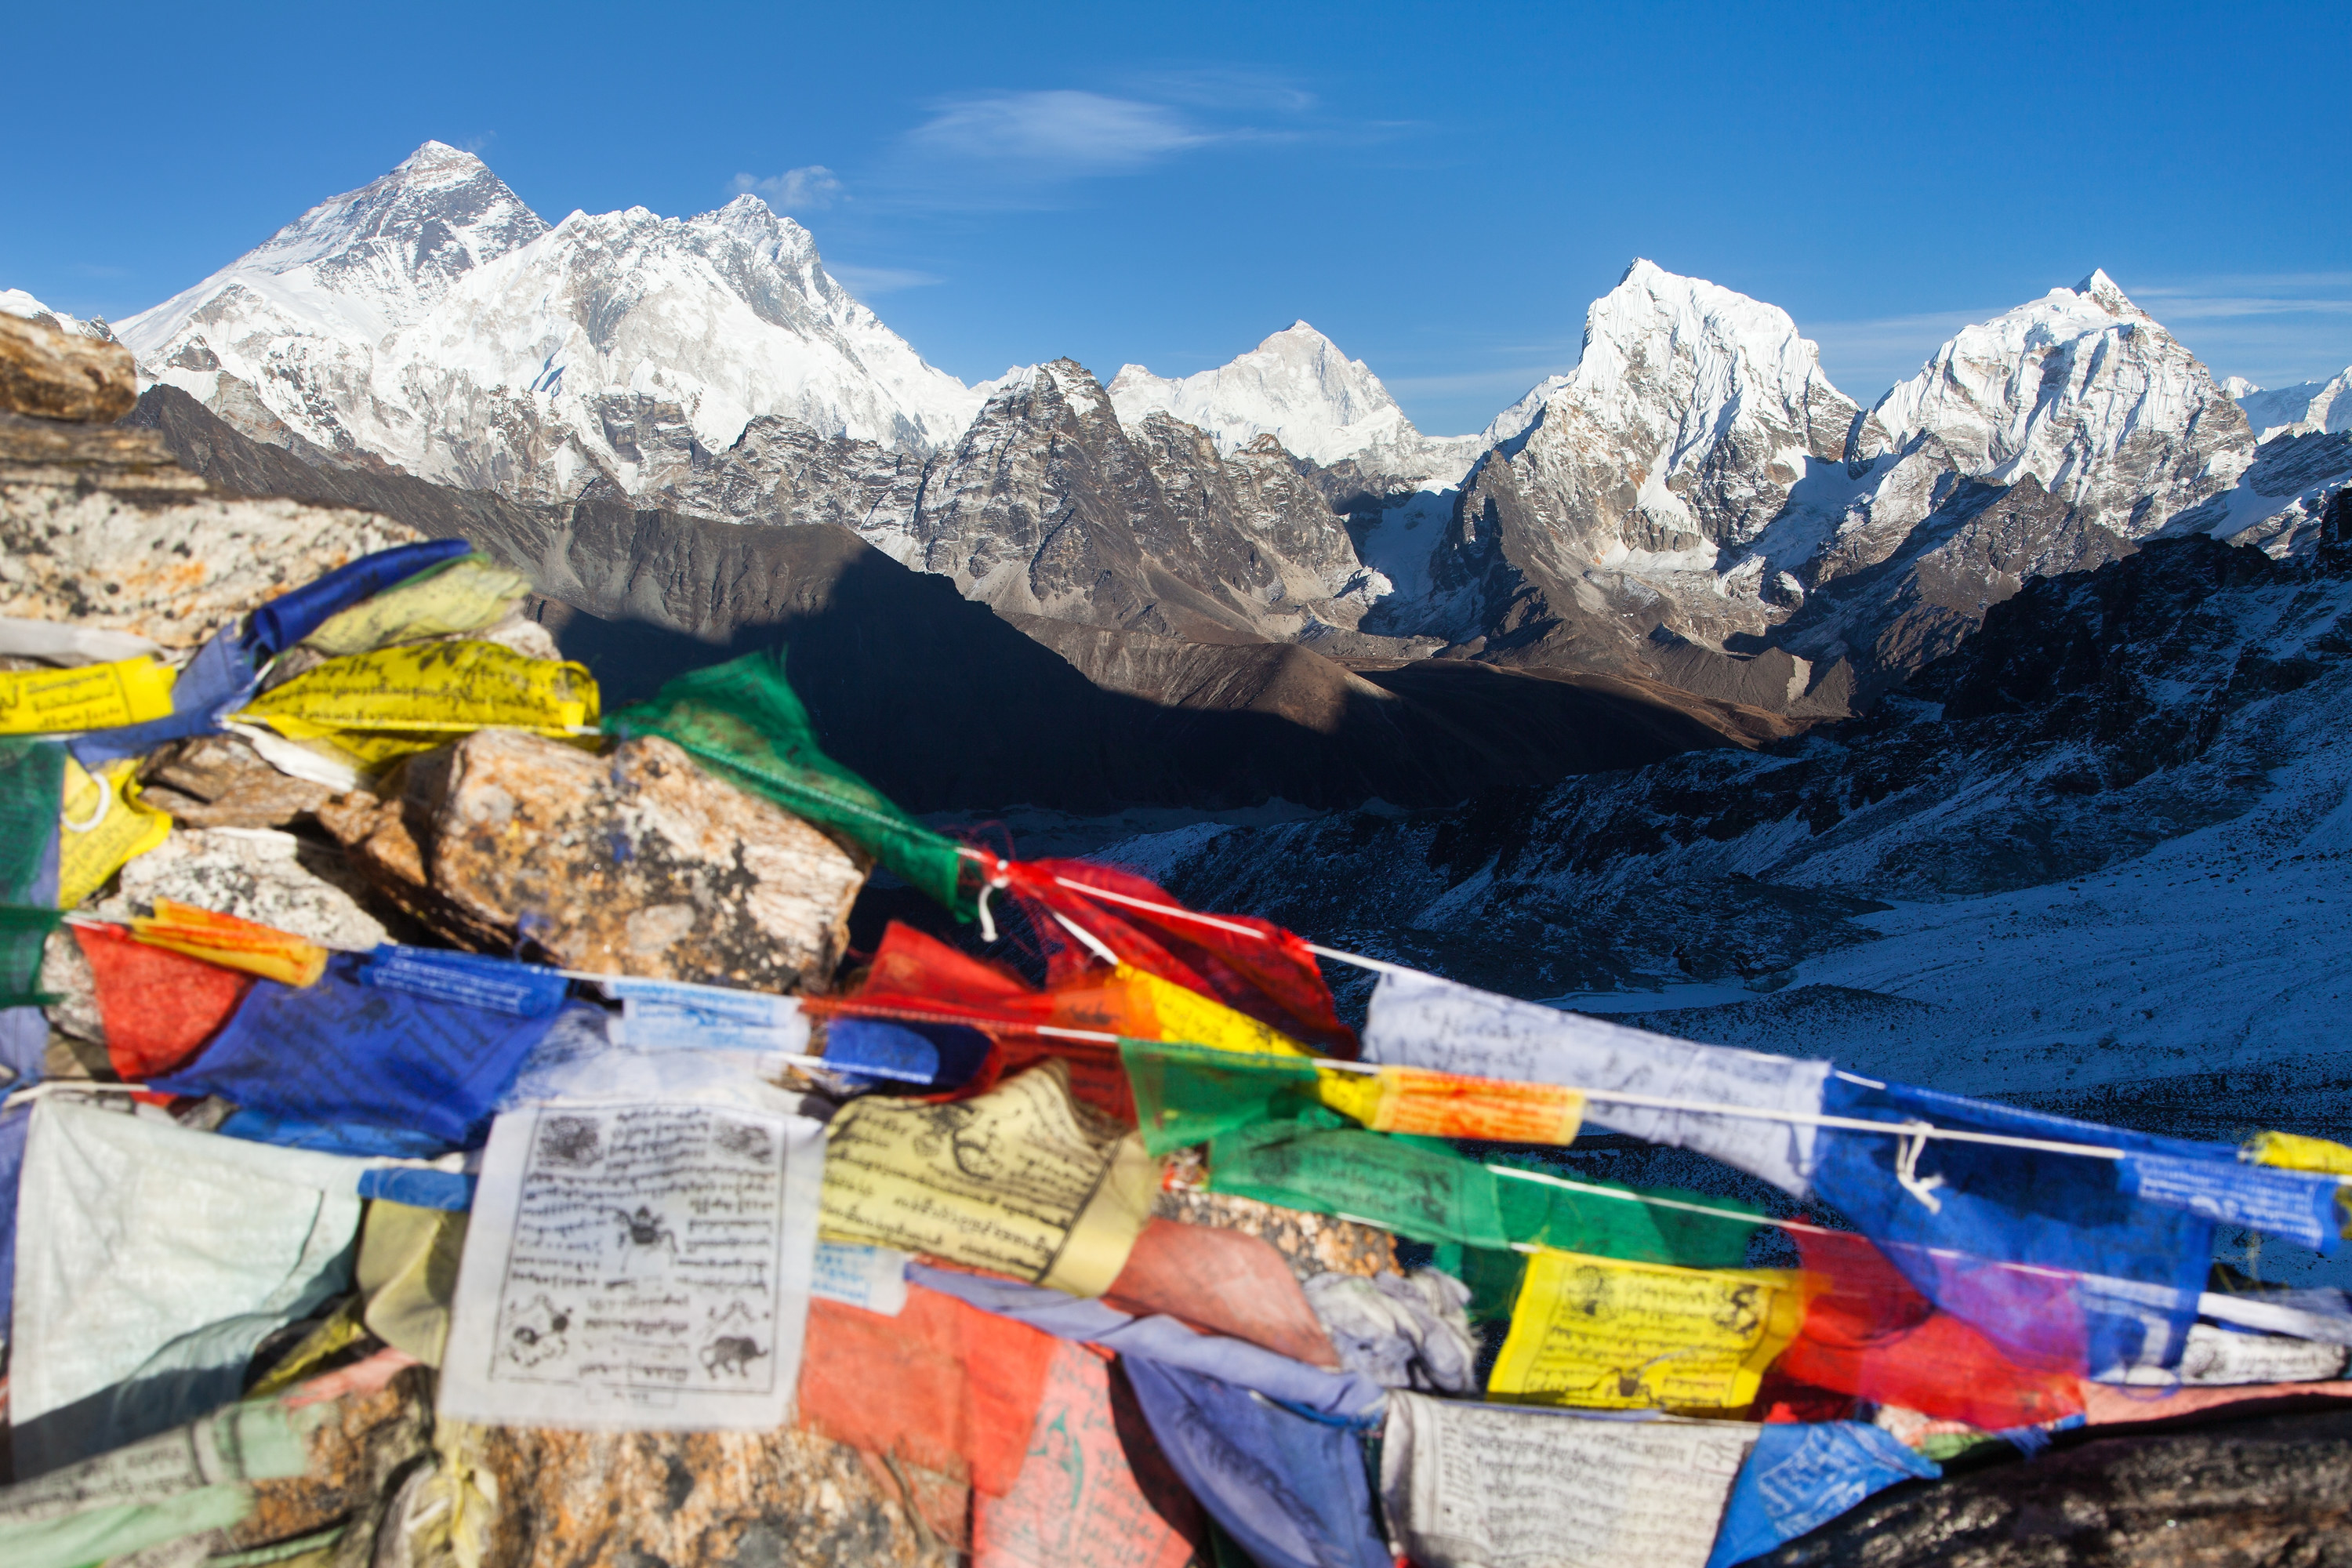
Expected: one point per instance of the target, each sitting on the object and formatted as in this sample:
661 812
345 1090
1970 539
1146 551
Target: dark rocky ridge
947 706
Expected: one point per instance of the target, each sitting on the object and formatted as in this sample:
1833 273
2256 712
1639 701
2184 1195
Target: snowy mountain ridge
2310 406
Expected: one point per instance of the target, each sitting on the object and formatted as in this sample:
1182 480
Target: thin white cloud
873 282
811 188
1055 133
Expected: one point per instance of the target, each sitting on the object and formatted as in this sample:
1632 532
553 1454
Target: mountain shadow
945 705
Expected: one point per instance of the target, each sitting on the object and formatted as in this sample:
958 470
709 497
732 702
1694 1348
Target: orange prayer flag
232 942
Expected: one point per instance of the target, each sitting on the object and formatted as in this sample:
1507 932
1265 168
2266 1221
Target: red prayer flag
159 1006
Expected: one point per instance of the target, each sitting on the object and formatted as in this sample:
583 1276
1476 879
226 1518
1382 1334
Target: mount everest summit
1695 503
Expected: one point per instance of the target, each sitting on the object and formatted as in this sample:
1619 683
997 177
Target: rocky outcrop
100 525
2271 1491
51 373
636 863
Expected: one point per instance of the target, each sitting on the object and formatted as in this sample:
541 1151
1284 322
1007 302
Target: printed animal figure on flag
643 1231
732 1354
535 1333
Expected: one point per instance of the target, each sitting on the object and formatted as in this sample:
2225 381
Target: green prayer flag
742 721
32 782
1191 1094
1423 1193
1626 1227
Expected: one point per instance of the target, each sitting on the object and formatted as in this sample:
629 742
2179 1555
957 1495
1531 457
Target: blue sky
1441 189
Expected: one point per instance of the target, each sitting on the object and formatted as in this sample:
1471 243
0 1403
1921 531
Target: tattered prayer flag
2293 1151
1446 1105
1162 1010
94 697
1188 1094
1252 965
1428 1193
2302 1207
1420 1020
940 1385
463 596
342 1052
1868 1333
158 1005
1799 1477
105 826
1222 1282
1601 1334
1015 1180
376 706
1472 1486
231 942
1645 1225
1090 1494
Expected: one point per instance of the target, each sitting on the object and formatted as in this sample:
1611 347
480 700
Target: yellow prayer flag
94 697
376 707
103 824
231 942
1185 1016
462 595
1015 1180
1608 1334
2293 1151
1448 1105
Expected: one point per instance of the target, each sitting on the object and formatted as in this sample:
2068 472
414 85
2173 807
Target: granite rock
51 373
280 880
637 862
99 526
220 780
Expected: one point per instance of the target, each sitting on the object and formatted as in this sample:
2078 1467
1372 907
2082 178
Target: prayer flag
1799 1476
93 697
1603 1334
941 1385
1473 1485
231 942
1419 1020
1013 1180
105 827
158 1005
463 593
373 707
1090 1493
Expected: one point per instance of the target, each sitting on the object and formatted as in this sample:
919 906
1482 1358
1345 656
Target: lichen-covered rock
51 373
220 780
634 863
276 879
532 1497
2277 1490
99 526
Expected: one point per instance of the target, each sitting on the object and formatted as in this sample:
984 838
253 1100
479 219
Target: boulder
276 879
220 780
99 525
51 373
2278 1490
634 863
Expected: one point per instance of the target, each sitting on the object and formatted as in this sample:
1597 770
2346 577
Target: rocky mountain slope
432 321
2091 860
947 706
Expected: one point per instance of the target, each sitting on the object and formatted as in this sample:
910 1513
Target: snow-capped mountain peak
2082 390
432 319
1297 386
367 261
1706 403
